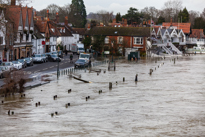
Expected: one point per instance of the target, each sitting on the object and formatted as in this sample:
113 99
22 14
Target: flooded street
170 102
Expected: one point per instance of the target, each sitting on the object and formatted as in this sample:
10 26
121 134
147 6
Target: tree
160 20
199 23
77 13
151 12
132 16
203 13
118 18
183 15
87 41
53 9
192 16
171 10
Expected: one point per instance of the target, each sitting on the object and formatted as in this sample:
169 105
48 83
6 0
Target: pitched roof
13 14
80 31
120 31
53 29
41 26
184 26
197 33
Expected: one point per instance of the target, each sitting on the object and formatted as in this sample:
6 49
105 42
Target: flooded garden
169 102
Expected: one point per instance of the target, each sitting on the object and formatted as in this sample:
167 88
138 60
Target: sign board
43 42
106 52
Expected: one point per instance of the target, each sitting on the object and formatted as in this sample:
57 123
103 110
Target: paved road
51 66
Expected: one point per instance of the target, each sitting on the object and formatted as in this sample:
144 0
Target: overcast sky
119 5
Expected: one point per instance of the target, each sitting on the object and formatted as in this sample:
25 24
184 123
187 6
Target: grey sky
119 5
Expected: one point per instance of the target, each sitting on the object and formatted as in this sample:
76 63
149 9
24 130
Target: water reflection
170 102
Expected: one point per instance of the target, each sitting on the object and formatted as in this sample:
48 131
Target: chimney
13 2
47 15
57 17
66 20
88 28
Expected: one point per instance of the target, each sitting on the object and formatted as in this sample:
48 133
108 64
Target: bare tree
150 12
192 16
171 9
203 14
53 9
103 16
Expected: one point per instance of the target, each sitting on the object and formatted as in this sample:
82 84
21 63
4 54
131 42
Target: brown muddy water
170 102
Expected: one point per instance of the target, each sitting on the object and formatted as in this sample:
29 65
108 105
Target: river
170 102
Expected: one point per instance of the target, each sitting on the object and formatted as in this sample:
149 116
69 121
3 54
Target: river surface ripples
170 102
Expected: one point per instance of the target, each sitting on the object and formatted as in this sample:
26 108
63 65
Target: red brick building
122 37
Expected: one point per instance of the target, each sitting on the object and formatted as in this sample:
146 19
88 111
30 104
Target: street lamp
58 64
112 50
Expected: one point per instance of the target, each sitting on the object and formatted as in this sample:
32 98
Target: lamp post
58 64
112 50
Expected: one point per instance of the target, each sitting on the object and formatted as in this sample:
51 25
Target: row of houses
23 33
177 35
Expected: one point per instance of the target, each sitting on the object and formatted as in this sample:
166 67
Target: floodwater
170 102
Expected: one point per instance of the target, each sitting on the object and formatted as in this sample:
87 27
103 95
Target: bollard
9 112
174 60
56 113
150 71
12 113
110 85
86 98
2 101
39 103
52 114
68 104
69 90
123 79
136 79
36 104
99 91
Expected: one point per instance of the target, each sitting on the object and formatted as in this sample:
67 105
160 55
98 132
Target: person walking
71 58
66 52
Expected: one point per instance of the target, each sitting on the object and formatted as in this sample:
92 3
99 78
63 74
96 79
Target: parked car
17 65
23 61
5 71
54 57
45 57
29 61
1 73
59 53
81 63
9 65
38 58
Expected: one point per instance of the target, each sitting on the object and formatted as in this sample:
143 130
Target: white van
81 48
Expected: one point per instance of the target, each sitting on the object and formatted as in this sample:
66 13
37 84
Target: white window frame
138 40
120 40
107 40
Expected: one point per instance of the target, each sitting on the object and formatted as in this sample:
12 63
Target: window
119 40
106 40
138 41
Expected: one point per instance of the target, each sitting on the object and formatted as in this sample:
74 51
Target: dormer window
53 29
